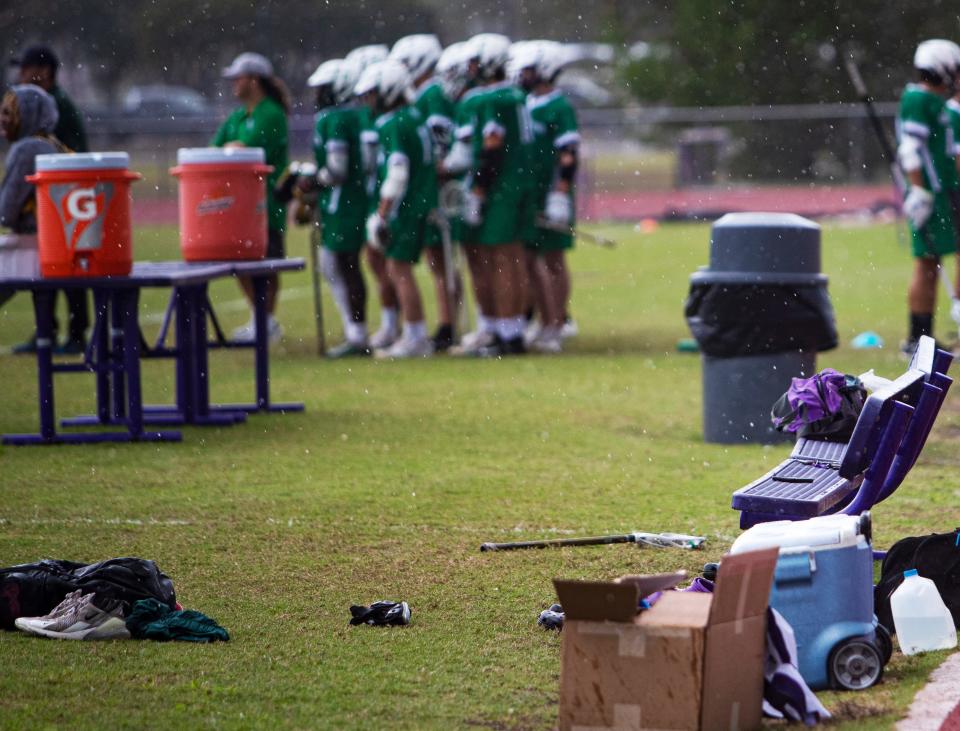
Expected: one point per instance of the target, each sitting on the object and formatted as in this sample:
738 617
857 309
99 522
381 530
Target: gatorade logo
81 211
82 204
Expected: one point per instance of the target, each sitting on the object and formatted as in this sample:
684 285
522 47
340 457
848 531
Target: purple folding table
116 348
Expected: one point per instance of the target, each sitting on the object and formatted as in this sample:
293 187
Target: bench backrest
865 440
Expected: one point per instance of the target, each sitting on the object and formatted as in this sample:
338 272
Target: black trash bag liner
732 320
32 590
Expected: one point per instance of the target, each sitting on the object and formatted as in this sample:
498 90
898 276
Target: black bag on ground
32 590
936 557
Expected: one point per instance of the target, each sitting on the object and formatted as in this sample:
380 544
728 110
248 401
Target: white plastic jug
921 619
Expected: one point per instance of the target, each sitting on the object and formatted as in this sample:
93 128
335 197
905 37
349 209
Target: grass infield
386 487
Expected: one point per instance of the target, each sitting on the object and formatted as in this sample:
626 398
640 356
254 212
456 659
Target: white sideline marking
935 701
239 304
91 521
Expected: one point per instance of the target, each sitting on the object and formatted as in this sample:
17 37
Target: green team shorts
939 236
407 234
507 218
342 235
547 239
432 239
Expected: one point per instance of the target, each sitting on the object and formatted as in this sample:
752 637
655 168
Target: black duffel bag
935 557
32 590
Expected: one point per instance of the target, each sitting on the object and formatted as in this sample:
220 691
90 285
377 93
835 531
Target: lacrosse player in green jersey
927 155
407 194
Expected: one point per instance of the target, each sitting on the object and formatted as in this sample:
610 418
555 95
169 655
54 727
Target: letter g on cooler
81 204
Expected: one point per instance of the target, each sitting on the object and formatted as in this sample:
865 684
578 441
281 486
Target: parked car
157 101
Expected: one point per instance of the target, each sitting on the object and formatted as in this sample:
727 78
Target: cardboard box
692 661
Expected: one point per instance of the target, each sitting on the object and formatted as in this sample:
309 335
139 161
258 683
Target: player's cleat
442 338
383 338
83 620
569 329
274 331
245 333
406 348
908 347
382 613
549 342
474 342
70 346
28 347
514 346
532 332
68 607
346 349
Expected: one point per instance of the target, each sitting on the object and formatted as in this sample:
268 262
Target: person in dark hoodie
28 116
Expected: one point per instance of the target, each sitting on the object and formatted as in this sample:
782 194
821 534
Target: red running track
690 203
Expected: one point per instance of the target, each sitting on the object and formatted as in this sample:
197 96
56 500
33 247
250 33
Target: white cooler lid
83 161
220 155
823 533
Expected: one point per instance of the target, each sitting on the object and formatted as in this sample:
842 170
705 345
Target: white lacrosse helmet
419 53
348 74
546 58
553 57
452 69
389 79
491 51
326 73
366 55
938 57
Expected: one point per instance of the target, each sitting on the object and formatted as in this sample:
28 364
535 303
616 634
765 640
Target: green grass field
386 486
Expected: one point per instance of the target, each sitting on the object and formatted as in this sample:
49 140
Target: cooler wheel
856 663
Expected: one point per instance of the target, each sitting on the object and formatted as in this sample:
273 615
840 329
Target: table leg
185 353
101 314
201 359
43 302
117 357
262 342
126 301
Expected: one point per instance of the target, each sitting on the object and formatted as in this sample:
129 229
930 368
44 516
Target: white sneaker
274 331
383 338
407 348
569 329
82 621
473 342
548 342
532 332
245 333
67 607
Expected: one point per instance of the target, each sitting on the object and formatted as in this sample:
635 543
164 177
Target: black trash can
760 313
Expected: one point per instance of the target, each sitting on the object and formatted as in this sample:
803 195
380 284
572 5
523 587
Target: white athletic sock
486 324
338 287
415 330
356 332
388 318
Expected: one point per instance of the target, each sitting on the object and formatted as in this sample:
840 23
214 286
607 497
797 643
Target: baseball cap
248 64
37 56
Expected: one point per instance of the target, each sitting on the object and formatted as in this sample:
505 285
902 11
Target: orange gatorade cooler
223 203
83 214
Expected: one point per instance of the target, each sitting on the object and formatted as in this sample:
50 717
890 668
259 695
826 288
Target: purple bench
849 477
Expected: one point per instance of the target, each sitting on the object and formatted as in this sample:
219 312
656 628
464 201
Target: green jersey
438 112
339 129
554 127
265 126
402 132
924 115
953 111
369 148
69 129
501 109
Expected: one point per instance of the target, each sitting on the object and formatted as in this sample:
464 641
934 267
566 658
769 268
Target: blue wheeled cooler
823 586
